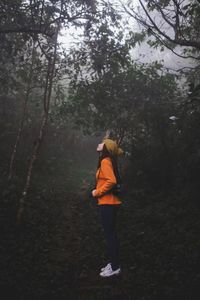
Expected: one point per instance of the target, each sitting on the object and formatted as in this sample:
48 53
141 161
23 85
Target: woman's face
100 147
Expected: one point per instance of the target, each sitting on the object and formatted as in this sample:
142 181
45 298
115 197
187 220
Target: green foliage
170 23
107 90
118 100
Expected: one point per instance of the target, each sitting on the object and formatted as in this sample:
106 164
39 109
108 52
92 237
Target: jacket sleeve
109 177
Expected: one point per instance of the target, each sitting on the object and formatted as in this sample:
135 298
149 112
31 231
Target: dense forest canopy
96 84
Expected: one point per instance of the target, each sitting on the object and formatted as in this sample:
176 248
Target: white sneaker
109 272
108 265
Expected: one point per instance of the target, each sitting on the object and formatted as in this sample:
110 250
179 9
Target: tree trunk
21 126
30 168
46 100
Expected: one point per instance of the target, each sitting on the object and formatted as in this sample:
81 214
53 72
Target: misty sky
142 52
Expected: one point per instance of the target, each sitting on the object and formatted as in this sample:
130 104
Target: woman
108 202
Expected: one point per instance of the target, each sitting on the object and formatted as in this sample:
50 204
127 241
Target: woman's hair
105 153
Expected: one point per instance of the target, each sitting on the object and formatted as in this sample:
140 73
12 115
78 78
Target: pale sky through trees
143 52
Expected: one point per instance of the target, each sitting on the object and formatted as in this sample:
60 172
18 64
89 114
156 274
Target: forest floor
58 249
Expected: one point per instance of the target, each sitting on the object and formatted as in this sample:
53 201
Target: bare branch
171 49
25 30
163 15
152 25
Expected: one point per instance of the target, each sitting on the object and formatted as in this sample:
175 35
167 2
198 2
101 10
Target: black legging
108 217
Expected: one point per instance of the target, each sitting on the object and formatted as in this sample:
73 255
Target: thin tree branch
25 30
163 15
171 49
188 43
153 26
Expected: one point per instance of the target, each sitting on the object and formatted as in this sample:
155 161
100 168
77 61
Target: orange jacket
105 181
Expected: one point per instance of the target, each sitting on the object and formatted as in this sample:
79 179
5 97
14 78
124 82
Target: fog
71 37
51 224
